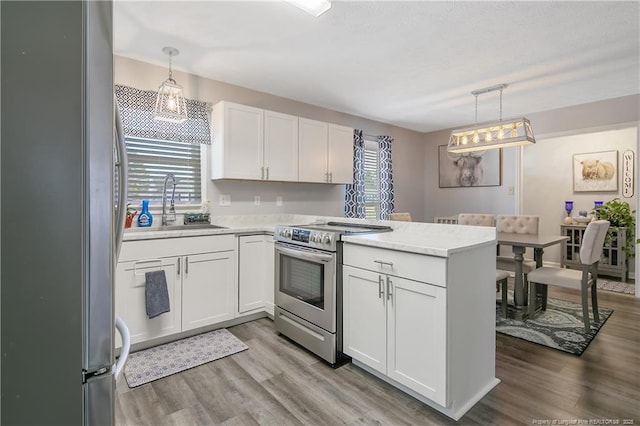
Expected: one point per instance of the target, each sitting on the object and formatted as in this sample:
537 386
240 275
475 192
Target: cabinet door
237 146
270 283
313 150
131 301
417 337
364 317
208 285
340 154
280 146
252 273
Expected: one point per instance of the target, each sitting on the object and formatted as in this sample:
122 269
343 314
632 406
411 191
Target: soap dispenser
145 219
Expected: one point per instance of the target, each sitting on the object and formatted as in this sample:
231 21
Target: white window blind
149 162
371 179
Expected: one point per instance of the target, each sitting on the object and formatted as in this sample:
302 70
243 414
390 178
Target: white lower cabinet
255 274
206 293
424 323
131 300
201 279
270 274
397 327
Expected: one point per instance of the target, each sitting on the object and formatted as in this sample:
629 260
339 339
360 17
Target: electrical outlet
224 200
256 200
278 201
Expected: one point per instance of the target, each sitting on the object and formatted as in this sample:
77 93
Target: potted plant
619 215
130 215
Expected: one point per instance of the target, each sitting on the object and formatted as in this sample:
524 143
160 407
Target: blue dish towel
156 293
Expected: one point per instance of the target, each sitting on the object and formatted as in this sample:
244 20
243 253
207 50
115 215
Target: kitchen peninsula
419 302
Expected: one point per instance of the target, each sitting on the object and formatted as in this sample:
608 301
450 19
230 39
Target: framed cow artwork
480 168
595 172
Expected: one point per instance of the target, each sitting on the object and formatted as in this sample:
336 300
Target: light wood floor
278 383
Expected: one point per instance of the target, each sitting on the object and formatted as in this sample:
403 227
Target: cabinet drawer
165 247
418 267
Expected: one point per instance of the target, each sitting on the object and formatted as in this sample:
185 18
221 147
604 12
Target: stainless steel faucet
171 216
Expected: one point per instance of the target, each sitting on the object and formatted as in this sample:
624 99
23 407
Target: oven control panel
306 237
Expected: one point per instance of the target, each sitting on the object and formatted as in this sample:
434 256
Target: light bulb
464 140
488 136
501 133
476 137
171 103
514 131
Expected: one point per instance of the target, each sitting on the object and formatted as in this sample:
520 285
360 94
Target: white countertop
415 237
428 240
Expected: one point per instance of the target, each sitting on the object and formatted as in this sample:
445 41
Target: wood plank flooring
278 383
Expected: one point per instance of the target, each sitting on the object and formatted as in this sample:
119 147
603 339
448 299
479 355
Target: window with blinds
149 162
371 179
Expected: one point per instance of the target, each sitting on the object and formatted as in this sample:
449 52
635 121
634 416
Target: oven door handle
304 255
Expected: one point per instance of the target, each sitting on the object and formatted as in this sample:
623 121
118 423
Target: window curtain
386 177
354 193
136 111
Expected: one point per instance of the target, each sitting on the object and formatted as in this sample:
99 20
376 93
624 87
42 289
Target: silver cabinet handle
262 172
267 173
178 266
389 286
382 263
186 265
380 290
330 176
326 177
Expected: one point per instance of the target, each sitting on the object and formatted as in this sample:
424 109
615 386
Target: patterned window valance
136 111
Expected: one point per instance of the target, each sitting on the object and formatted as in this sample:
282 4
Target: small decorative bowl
581 219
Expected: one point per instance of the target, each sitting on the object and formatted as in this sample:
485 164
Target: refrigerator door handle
122 328
122 166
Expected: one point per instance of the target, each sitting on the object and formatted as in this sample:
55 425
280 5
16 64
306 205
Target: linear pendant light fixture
491 134
312 7
170 104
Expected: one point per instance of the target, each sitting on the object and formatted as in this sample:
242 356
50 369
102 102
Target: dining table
519 244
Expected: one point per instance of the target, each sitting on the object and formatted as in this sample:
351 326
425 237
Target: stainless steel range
308 277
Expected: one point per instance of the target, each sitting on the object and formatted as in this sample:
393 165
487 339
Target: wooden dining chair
517 224
587 277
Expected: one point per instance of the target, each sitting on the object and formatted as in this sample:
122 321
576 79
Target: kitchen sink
177 227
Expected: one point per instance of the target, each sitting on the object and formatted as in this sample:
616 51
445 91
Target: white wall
545 188
320 199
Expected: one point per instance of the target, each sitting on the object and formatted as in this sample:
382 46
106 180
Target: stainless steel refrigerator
57 216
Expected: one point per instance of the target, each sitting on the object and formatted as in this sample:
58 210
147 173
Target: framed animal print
595 172
480 168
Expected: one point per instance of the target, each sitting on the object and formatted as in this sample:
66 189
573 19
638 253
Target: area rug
559 327
161 361
617 286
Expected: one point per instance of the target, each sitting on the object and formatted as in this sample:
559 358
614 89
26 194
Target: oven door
306 284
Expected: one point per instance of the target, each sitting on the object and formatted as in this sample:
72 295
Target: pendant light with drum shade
492 134
170 103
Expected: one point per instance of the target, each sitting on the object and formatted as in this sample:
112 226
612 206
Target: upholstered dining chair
403 217
590 251
502 277
476 219
517 224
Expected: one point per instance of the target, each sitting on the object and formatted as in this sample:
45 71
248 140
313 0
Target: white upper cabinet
280 146
340 163
256 144
312 157
237 146
325 152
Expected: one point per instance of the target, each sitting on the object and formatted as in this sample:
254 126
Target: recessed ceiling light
313 7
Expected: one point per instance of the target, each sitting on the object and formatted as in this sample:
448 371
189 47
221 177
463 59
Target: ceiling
412 64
